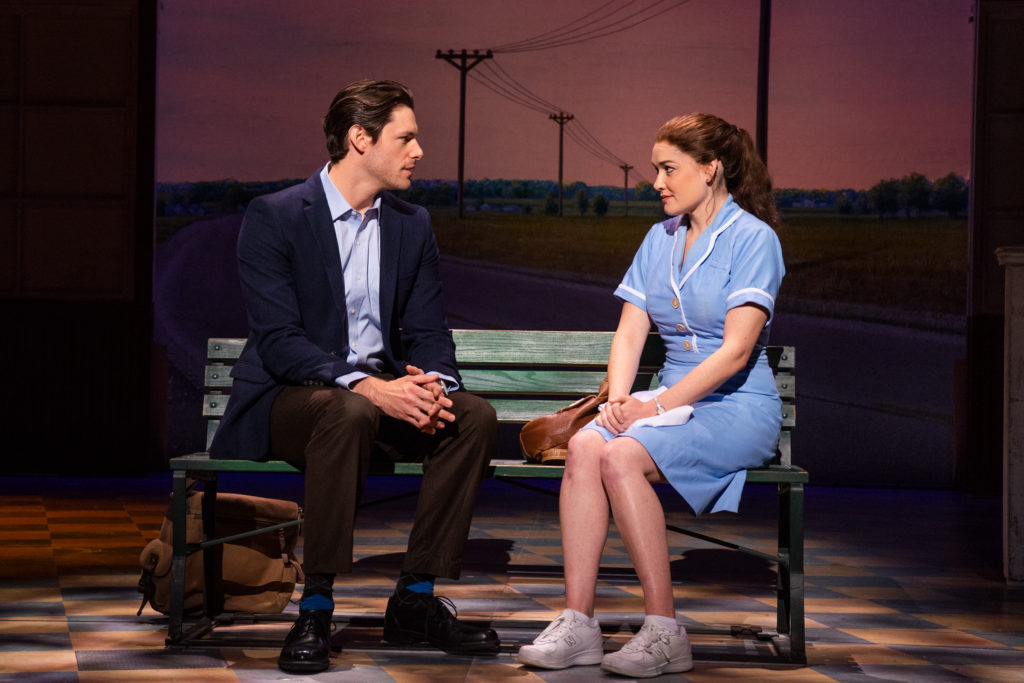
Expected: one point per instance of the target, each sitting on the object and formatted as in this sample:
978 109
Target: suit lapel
318 215
391 227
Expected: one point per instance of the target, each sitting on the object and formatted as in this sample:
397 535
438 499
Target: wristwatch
657 406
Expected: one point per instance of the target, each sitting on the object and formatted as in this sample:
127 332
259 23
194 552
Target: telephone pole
463 61
763 45
626 168
561 118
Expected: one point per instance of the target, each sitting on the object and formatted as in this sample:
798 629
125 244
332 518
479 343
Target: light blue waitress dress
736 260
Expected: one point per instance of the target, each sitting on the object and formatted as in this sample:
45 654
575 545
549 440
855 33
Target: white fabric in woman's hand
676 416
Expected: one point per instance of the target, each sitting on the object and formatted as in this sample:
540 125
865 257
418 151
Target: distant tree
600 205
645 192
861 205
950 194
582 201
551 203
843 203
915 193
884 197
821 197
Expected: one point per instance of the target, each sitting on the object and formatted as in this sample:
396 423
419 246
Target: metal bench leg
791 569
178 508
213 556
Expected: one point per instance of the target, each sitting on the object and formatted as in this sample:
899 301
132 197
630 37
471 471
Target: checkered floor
901 586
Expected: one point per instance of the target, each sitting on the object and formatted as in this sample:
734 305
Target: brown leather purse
545 439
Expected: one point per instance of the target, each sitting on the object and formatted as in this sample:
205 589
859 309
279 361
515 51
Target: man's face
391 159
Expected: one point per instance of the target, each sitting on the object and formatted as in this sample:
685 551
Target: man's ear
359 139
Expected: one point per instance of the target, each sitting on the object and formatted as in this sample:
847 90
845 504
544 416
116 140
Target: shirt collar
336 202
728 209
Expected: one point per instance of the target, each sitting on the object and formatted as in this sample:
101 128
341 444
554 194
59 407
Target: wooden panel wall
76 222
997 220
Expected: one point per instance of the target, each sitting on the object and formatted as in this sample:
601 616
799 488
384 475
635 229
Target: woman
707 278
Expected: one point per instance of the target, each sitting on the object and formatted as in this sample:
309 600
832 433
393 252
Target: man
349 352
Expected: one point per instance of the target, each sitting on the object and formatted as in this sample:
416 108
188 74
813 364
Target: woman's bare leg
583 511
626 473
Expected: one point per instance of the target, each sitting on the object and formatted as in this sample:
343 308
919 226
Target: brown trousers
330 434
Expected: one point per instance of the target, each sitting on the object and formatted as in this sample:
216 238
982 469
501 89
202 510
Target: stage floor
902 585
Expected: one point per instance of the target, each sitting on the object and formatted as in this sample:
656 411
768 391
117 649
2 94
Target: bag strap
148 589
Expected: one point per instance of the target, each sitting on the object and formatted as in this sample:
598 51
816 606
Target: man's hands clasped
416 398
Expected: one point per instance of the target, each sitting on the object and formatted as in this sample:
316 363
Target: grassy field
902 265
913 271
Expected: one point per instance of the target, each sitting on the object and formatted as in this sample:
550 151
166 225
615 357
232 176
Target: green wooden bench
524 374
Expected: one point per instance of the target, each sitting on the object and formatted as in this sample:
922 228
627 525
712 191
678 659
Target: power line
563 27
497 88
609 24
501 82
522 88
587 140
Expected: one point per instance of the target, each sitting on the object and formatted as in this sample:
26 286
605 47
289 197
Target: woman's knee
584 451
623 460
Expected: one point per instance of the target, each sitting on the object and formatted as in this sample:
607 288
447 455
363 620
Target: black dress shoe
426 619
307 647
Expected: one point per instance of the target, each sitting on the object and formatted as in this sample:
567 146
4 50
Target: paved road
875 402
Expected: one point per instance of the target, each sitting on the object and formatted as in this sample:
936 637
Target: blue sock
316 601
420 584
318 593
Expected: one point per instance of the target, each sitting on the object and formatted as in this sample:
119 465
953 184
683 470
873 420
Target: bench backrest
526 373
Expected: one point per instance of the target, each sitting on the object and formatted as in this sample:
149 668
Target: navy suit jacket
294 293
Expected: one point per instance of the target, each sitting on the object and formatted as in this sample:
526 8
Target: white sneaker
651 652
567 641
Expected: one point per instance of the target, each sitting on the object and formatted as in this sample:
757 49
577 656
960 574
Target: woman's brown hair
706 137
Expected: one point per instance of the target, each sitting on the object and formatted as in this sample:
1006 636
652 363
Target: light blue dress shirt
359 248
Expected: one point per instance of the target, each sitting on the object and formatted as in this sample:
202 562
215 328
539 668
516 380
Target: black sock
318 593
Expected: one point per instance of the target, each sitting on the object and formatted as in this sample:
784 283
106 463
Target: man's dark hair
364 103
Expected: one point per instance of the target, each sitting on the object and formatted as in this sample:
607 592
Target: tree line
911 195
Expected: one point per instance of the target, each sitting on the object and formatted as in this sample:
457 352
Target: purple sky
861 90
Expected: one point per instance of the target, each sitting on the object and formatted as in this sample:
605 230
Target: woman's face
681 181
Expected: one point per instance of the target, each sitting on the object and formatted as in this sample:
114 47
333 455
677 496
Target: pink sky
861 90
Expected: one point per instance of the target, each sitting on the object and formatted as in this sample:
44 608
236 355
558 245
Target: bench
524 374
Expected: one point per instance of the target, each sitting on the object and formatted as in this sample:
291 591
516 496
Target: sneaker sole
669 668
580 659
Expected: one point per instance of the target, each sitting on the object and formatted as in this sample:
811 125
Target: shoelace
448 604
311 622
556 630
439 604
645 639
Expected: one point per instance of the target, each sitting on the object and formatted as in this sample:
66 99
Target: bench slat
508 409
533 347
217 375
223 348
490 347
574 383
483 381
